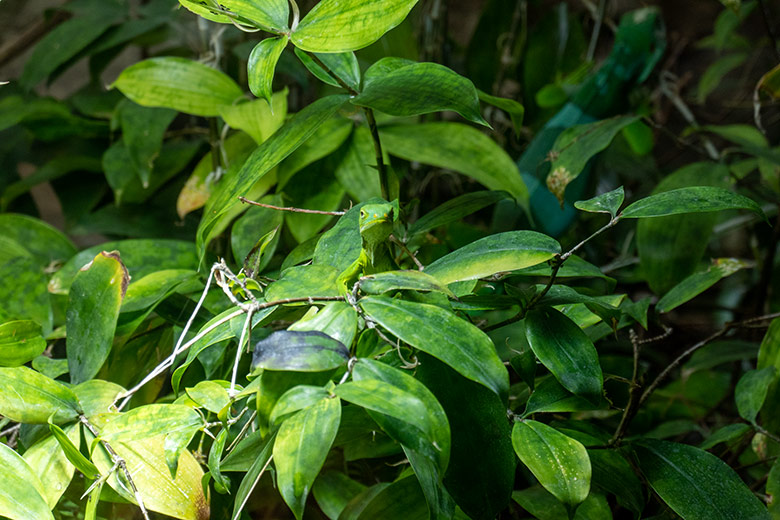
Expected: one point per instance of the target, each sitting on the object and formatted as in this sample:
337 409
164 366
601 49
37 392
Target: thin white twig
239 350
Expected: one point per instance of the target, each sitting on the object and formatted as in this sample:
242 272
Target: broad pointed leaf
20 489
27 396
20 342
299 352
262 65
696 199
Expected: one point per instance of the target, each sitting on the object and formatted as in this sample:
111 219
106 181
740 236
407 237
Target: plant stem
118 462
380 163
289 208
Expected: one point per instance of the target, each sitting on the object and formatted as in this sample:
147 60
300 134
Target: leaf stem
118 462
372 127
290 208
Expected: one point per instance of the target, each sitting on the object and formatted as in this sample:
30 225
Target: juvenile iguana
376 225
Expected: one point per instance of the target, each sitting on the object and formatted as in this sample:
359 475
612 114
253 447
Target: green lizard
376 224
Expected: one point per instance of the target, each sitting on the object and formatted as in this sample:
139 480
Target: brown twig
405 249
294 210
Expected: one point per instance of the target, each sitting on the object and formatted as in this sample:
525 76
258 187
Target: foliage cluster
228 342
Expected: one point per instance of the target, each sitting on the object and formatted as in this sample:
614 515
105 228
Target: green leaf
696 484
93 307
560 463
83 464
344 65
261 459
44 242
671 248
566 351
455 209
770 82
147 291
327 139
338 320
20 342
714 74
728 433
751 391
296 398
301 445
357 171
401 499
270 15
303 282
544 506
408 415
143 130
264 159
515 110
23 292
460 148
29 397
21 492
210 395
96 396
773 489
262 64
427 446
152 420
699 282
309 351
221 482
141 257
48 461
410 89
695 199
178 83
493 254
340 26
181 497
550 396
255 235
609 202
257 118
65 41
576 145
333 491
443 335
402 281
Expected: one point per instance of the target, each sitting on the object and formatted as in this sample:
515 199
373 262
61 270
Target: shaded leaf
751 391
260 462
257 118
455 209
443 335
695 199
699 282
301 445
333 491
695 483
49 463
344 65
299 352
460 148
408 89
20 342
93 307
402 280
609 202
304 282
566 351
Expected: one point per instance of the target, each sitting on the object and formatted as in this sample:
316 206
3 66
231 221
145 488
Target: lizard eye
362 213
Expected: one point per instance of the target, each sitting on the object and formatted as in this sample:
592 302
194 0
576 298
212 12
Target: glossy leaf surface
301 445
560 463
21 490
443 335
566 351
178 83
340 26
20 342
497 253
262 65
93 307
308 351
27 396
695 199
696 484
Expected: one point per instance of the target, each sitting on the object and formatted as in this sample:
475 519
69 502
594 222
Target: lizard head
376 222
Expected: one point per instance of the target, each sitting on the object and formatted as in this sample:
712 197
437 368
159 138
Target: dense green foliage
524 311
